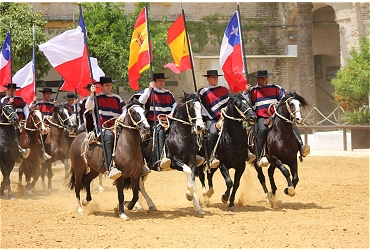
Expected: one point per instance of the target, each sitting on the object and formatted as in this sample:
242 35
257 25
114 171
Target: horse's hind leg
121 198
5 184
229 183
290 189
87 180
101 188
147 198
261 178
238 174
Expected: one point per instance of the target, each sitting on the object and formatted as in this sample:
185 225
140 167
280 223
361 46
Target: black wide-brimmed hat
106 79
89 86
212 72
159 76
262 73
70 96
45 90
12 85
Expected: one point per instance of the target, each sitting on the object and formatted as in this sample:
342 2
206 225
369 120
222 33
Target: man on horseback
46 107
164 103
213 99
22 111
110 106
72 104
261 97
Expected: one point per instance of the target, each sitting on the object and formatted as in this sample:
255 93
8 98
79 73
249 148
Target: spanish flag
139 54
178 43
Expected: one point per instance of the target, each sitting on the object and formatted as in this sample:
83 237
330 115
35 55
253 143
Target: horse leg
50 175
20 175
294 172
210 191
238 174
148 200
43 173
290 189
5 184
270 172
261 178
87 181
121 198
229 183
202 178
101 188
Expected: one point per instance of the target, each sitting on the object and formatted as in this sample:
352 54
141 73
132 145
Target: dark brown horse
30 138
8 147
87 160
56 144
282 145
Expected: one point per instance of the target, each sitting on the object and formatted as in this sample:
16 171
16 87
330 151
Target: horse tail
126 183
70 179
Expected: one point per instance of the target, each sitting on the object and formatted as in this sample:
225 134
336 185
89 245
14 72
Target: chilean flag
24 79
5 57
81 90
231 57
67 53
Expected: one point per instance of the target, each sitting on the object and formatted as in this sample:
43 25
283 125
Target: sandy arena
330 210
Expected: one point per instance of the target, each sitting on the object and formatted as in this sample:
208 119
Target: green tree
20 16
109 31
353 80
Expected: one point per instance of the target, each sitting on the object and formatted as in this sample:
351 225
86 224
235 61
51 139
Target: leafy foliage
353 80
20 16
360 117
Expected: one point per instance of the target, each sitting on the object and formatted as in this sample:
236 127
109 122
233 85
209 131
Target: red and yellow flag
178 43
139 54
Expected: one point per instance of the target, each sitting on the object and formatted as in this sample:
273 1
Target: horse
282 145
30 138
87 159
231 148
8 147
56 144
180 146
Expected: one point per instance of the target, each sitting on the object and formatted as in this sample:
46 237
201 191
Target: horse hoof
80 211
231 209
224 199
206 200
291 191
101 189
85 202
124 217
152 208
189 197
201 213
29 192
12 198
210 192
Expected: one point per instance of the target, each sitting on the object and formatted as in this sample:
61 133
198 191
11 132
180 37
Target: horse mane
186 97
294 95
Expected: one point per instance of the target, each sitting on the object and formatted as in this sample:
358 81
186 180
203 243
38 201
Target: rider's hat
262 73
46 90
70 96
212 72
106 79
12 85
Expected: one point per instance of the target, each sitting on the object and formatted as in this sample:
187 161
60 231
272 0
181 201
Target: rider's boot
260 142
111 170
25 152
304 149
211 144
144 169
165 163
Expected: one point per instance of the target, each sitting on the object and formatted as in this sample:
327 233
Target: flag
231 57
178 43
139 53
24 79
67 53
81 90
5 63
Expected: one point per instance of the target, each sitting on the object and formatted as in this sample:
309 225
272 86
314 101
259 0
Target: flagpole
10 60
155 136
60 85
190 52
97 119
242 43
33 57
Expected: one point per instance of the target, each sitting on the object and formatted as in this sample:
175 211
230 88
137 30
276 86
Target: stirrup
199 160
114 173
263 162
165 163
305 150
215 163
251 157
25 152
45 156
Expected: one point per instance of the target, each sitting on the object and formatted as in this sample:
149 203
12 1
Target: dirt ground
330 210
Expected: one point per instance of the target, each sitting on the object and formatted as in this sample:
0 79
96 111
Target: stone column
305 56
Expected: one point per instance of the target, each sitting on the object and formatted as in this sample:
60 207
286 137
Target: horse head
35 120
189 110
8 112
291 103
61 117
242 107
136 112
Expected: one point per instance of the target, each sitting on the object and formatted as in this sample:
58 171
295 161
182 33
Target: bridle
61 120
291 113
242 114
7 116
35 124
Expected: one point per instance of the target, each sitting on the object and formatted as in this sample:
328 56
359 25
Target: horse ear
185 94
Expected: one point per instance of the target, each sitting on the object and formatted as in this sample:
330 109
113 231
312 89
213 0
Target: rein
55 124
7 117
34 124
288 108
223 114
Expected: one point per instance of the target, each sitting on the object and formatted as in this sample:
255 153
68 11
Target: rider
164 104
46 108
110 106
22 111
71 104
261 96
213 99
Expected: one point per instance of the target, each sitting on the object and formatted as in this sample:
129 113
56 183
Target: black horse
56 144
282 145
87 159
231 148
8 147
181 145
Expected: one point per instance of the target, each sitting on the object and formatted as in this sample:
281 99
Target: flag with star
231 59
5 64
